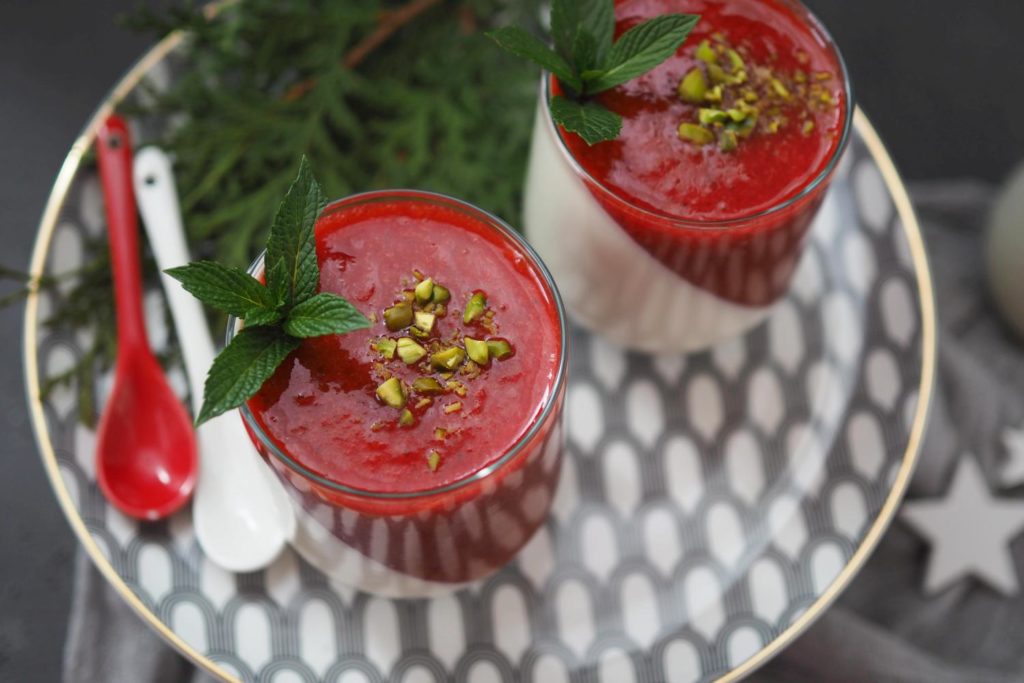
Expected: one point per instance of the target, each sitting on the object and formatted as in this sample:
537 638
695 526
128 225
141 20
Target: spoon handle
115 161
161 216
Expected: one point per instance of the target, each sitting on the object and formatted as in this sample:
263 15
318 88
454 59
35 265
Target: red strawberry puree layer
321 409
650 180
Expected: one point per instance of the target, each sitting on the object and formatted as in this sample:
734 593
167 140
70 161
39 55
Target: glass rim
724 224
550 402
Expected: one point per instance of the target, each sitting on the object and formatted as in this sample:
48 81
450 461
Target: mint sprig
276 315
586 60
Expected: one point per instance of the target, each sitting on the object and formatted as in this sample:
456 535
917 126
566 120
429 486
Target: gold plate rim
887 512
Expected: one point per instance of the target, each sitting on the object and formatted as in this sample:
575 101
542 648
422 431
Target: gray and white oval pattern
706 501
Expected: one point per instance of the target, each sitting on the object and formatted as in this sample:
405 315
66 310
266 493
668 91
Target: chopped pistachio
737 115
743 128
717 74
373 316
427 386
417 274
710 116
440 434
418 333
456 386
808 127
477 350
376 426
736 60
822 76
424 322
434 461
449 359
499 348
695 134
474 308
714 95
423 403
780 89
398 316
406 418
424 292
727 142
441 295
409 351
385 347
453 407
693 87
409 295
706 54
392 393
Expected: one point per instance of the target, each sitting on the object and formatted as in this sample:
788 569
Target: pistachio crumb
392 393
423 403
706 54
433 461
453 407
441 295
780 89
440 434
424 292
499 348
457 387
406 418
409 351
427 386
474 308
424 322
693 87
449 359
398 316
385 347
691 132
808 127
477 350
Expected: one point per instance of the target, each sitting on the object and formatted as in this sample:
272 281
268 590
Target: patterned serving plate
711 507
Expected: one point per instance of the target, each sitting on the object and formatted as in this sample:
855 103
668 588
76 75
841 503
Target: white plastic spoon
240 511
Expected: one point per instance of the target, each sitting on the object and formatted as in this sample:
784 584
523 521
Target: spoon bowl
148 464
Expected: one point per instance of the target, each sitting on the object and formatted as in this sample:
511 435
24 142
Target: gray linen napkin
884 628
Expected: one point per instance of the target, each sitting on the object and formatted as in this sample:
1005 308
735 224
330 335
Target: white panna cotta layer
609 283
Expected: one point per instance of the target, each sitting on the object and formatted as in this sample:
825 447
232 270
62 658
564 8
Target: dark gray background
940 79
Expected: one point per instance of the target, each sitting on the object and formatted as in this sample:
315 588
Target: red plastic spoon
146 448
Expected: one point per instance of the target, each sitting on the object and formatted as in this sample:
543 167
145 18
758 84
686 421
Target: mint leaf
277 280
242 368
590 120
599 21
564 22
263 316
227 289
642 48
323 314
584 51
292 238
523 44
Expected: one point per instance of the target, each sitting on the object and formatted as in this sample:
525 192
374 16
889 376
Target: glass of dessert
685 229
423 452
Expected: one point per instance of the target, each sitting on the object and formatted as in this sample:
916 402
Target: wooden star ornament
969 530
